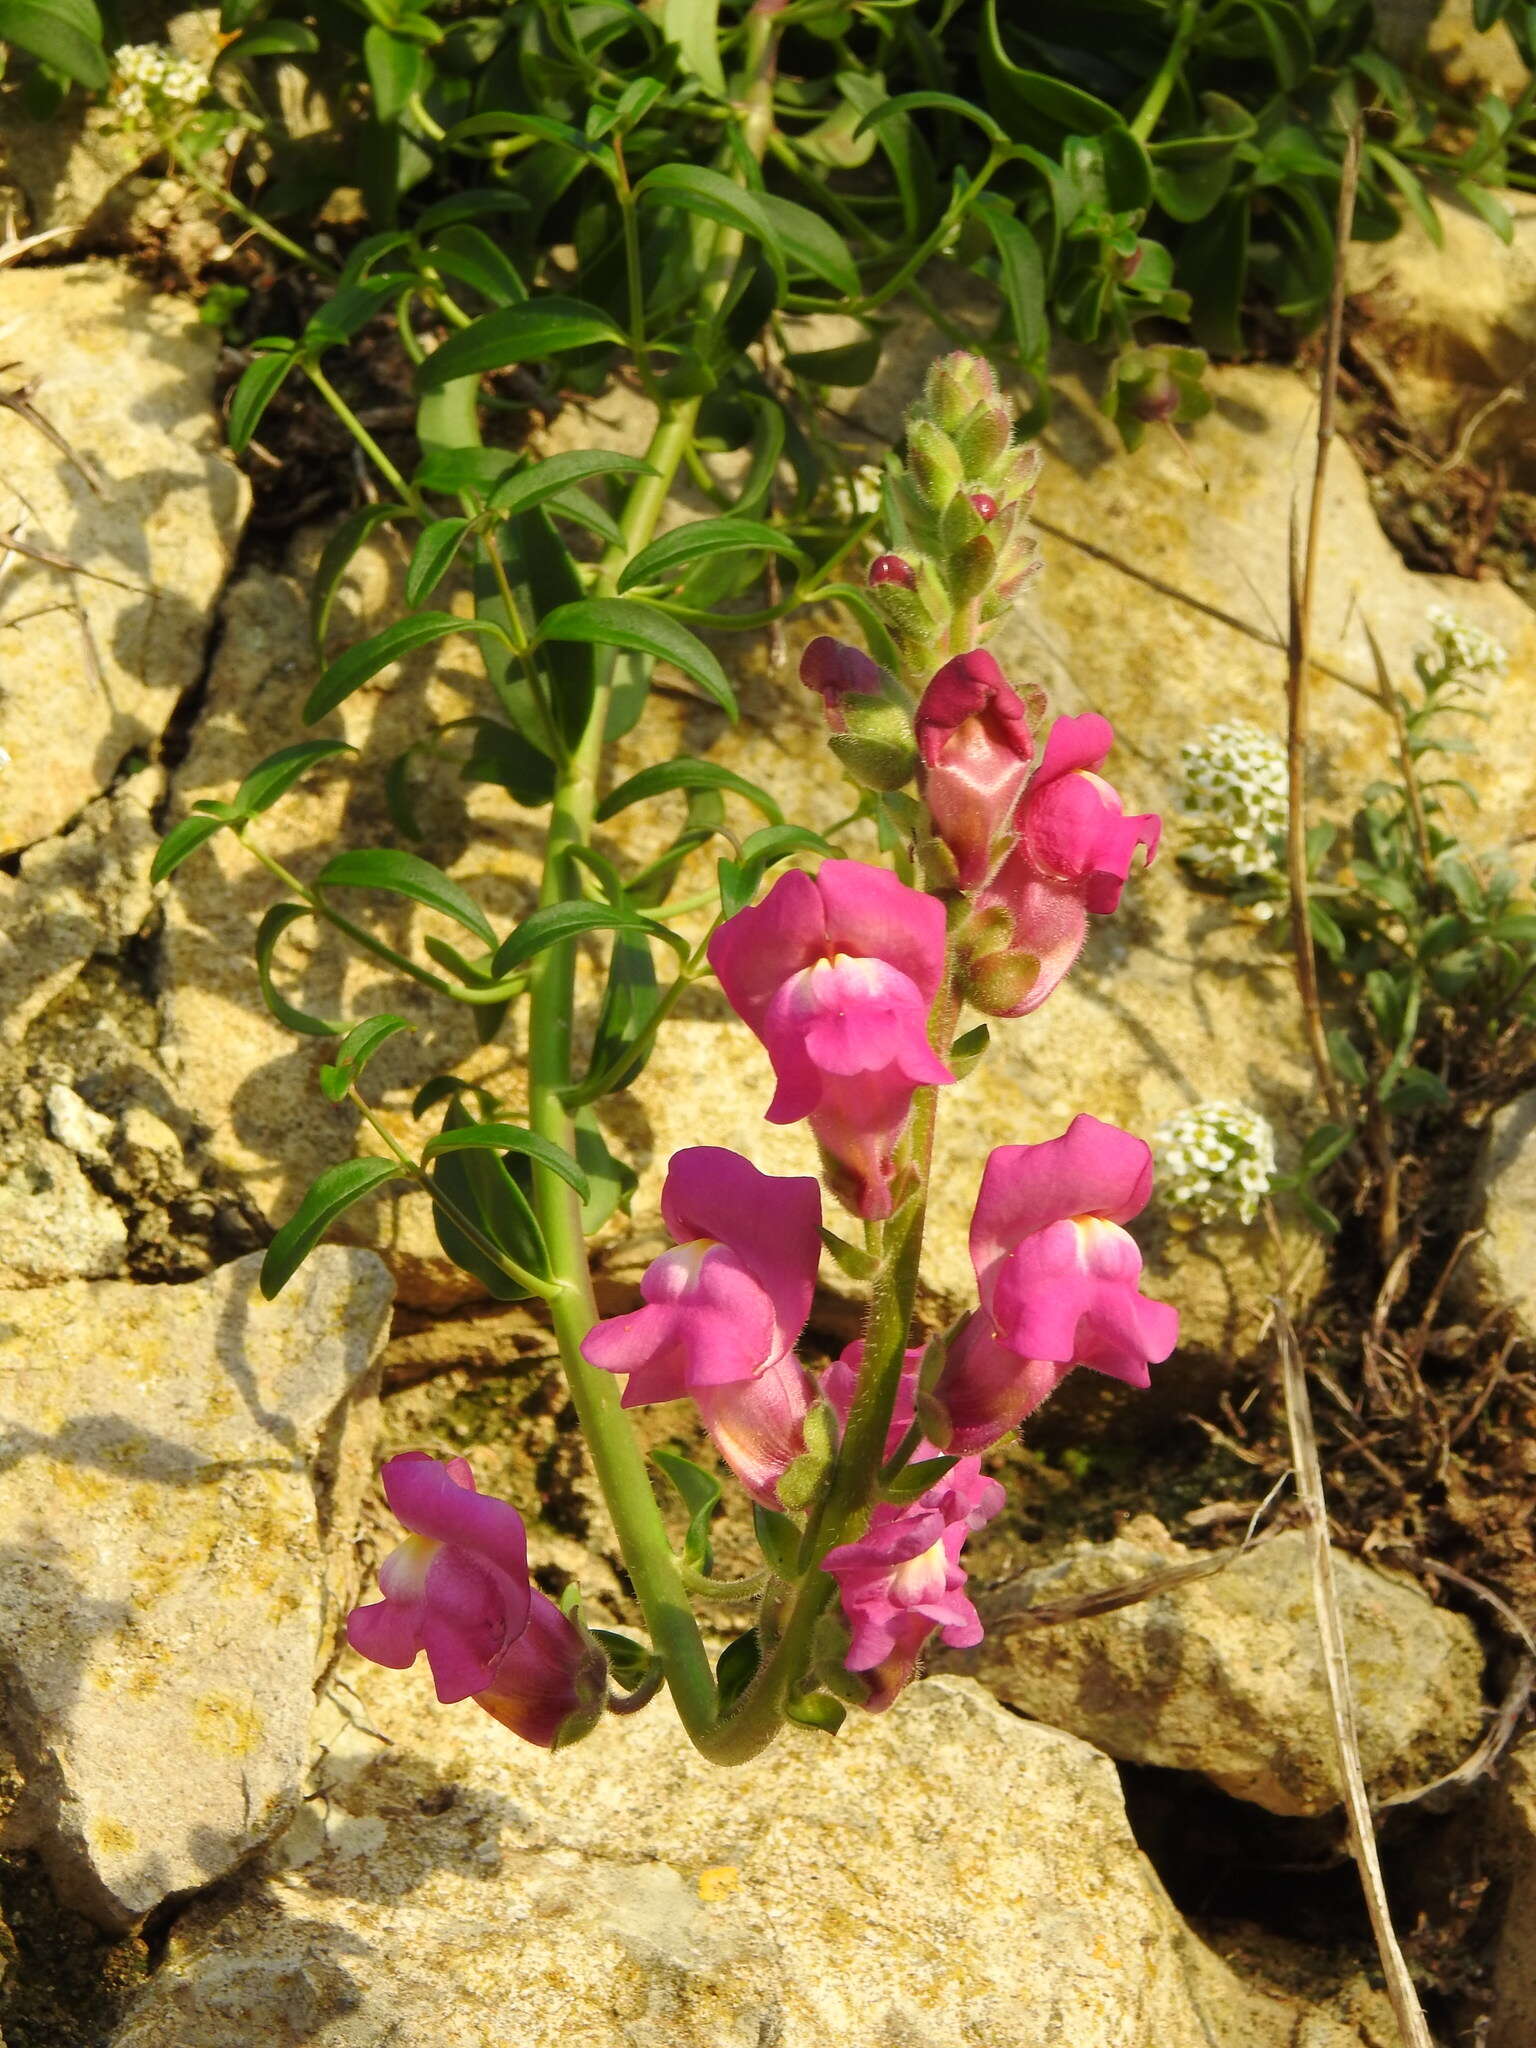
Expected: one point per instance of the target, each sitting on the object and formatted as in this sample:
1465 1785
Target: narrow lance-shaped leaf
557 922
360 664
685 773
275 776
355 1051
268 932
184 839
528 333
499 1137
335 558
330 1197
258 386
700 538
407 874
624 622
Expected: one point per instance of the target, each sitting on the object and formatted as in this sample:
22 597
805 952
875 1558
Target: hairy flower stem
616 1456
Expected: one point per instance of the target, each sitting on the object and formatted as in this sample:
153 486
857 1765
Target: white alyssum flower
1235 801
1216 1159
1463 651
151 83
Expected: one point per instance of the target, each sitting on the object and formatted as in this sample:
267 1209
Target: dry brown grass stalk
1330 1627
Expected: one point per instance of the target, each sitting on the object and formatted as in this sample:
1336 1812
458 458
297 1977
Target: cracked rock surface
944 1876
174 1461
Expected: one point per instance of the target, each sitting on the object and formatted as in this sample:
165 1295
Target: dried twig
19 402
1330 1628
1303 589
1110 1599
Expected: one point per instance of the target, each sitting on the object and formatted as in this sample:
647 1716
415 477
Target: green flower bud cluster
962 504
1150 385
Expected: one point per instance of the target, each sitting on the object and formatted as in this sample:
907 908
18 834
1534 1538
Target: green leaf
851 1259
451 470
478 1183
629 1661
331 1195
812 244
1021 272
613 1181
700 1494
529 333
406 874
275 776
349 671
554 474
1019 97
1411 189
909 102
629 1002
692 28
498 1137
1213 268
272 39
701 538
697 189
256 390
395 67
501 756
1415 1089
778 1538
334 559
356 1050
469 256
1345 1055
65 34
1326 1144
473 204
268 932
852 363
624 622
912 1481
556 922
182 840
432 557
687 772
968 1049
349 309
816 1710
1487 207
736 1667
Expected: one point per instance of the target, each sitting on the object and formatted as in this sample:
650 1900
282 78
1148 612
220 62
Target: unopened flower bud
837 672
998 983
933 465
984 439
984 505
891 569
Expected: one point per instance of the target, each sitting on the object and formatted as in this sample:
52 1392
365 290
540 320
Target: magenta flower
552 1685
902 1579
1058 1279
733 1295
1072 855
974 748
458 1585
835 671
758 1425
836 976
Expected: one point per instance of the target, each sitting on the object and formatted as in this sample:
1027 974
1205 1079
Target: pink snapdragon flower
974 749
733 1295
1058 1277
458 1589
902 1579
1072 855
758 1425
836 976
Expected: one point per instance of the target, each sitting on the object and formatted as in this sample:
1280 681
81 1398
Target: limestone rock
173 1460
943 1877
54 1223
148 510
1504 1259
73 896
1455 326
1224 1675
1514 1984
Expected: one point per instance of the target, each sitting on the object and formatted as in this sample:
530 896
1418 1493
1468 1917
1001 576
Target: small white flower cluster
151 84
1214 1159
1235 800
1464 652
859 496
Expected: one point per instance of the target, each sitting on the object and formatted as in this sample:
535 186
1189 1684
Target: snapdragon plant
998 836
